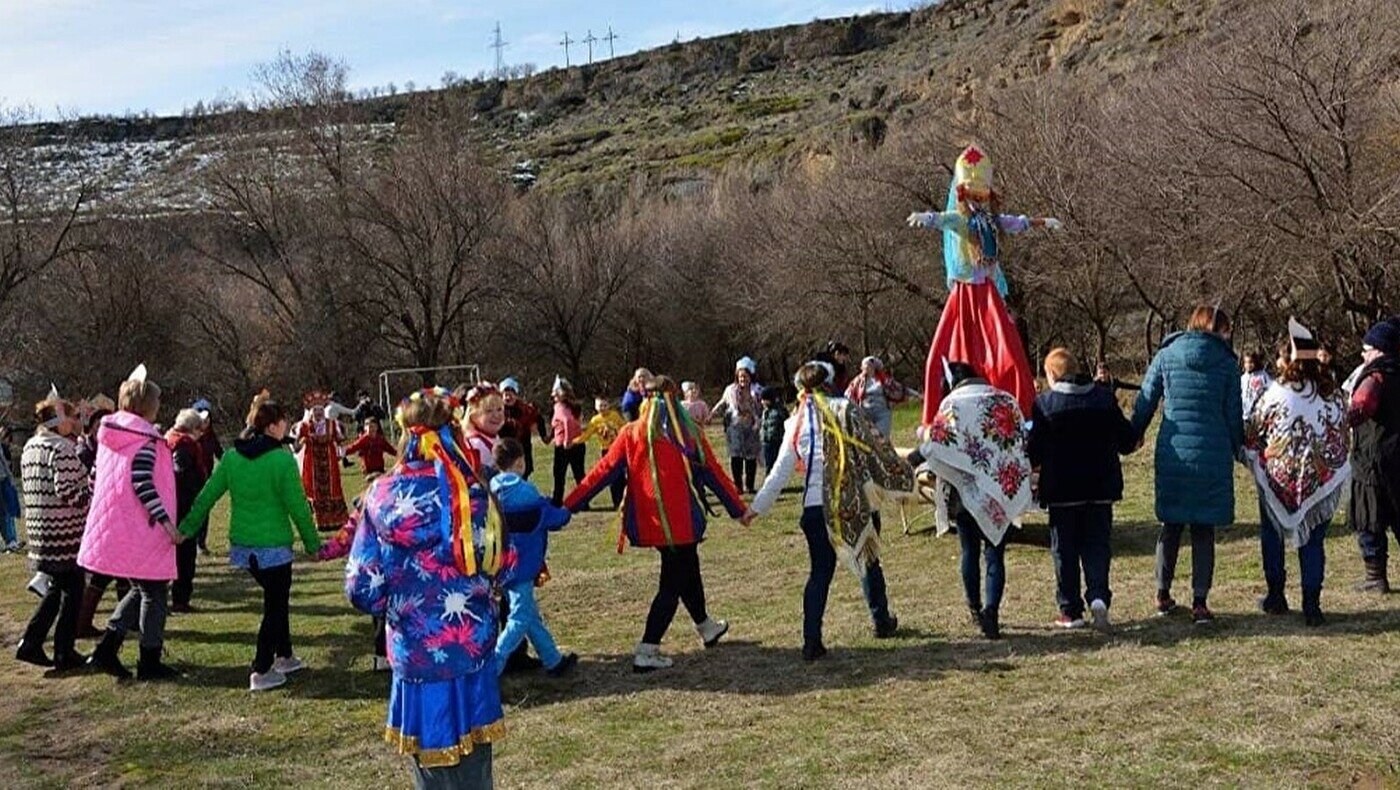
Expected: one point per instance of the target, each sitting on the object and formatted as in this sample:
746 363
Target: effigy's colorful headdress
316 398
973 172
455 474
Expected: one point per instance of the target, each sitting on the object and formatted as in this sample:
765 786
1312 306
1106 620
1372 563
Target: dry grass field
1251 701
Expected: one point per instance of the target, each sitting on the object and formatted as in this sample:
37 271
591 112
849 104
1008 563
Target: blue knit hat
1384 337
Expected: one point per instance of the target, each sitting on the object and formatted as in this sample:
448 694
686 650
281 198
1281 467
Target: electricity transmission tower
499 45
589 41
565 44
610 38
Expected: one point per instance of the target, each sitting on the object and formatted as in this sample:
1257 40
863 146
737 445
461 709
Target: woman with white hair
185 448
877 392
740 409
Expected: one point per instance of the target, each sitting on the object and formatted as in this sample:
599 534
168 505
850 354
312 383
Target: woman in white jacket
849 470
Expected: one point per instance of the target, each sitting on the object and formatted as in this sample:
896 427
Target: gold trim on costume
442 758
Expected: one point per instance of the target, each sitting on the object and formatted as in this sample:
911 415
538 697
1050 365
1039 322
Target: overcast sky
96 56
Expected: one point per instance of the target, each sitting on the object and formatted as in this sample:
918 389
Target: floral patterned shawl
1297 445
976 445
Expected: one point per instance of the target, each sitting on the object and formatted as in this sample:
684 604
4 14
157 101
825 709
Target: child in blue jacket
529 518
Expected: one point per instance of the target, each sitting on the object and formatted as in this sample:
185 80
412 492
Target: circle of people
446 549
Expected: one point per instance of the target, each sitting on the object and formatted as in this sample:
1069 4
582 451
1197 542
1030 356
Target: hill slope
676 113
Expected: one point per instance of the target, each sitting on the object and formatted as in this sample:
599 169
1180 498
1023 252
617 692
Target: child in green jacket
268 511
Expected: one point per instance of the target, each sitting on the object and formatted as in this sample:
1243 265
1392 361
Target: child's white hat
746 363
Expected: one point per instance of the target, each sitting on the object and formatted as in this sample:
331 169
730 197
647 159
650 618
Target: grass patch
1254 701
767 106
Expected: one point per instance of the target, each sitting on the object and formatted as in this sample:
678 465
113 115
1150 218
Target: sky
69 57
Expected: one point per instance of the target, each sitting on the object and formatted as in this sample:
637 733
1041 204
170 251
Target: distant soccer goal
394 386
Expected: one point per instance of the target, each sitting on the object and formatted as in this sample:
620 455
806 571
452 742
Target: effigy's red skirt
977 329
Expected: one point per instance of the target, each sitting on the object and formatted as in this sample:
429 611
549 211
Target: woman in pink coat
131 528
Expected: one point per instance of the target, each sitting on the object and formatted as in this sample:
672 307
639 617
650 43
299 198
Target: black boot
1312 608
32 653
991 623
106 657
813 651
1375 581
149 667
1274 602
67 664
888 628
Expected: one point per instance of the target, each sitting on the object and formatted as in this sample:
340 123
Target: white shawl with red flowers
1297 445
976 445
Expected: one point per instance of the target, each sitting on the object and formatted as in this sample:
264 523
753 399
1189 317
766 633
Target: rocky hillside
676 113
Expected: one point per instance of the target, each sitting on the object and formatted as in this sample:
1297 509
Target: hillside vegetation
677 113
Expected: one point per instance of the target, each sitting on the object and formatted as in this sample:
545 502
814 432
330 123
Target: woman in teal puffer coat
1196 377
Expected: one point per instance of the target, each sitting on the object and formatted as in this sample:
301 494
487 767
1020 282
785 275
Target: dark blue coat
1077 433
1195 376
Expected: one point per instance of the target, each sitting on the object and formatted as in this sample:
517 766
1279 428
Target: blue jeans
1312 556
525 623
972 539
8 498
1374 546
823 558
1079 538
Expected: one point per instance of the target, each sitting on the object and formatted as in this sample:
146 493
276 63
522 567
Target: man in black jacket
1077 433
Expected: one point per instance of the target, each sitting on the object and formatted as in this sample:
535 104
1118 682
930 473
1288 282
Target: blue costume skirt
440 722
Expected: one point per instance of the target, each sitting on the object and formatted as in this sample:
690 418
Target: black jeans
566 458
680 582
1079 538
1202 559
186 558
275 633
144 607
770 454
823 567
61 604
744 471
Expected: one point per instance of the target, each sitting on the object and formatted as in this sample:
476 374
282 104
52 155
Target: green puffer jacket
266 497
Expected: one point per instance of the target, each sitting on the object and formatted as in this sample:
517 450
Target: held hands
921 219
748 518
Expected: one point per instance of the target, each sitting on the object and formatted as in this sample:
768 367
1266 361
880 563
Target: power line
610 38
499 45
565 44
589 41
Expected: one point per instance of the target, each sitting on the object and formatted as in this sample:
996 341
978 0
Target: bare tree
41 209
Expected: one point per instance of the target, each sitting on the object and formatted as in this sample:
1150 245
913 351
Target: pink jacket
122 538
566 425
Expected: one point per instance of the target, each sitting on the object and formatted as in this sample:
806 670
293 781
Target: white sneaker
288 665
266 681
711 631
1100 611
1065 621
648 658
379 664
16 546
39 585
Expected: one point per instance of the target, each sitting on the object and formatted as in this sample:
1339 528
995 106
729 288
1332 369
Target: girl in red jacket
666 461
371 446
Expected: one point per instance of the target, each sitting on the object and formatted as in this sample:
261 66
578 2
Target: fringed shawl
1297 445
976 445
861 472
